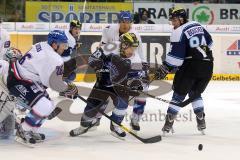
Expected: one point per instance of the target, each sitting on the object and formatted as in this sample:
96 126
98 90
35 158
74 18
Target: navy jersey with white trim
183 39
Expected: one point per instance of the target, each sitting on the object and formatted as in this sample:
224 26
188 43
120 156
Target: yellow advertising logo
66 11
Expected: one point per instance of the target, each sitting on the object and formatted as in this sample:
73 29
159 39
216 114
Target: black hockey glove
71 92
126 90
162 71
96 59
136 85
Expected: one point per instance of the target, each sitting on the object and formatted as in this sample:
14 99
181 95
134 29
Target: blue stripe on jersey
170 64
173 61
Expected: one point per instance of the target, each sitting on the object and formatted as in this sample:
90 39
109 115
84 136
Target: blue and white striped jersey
184 39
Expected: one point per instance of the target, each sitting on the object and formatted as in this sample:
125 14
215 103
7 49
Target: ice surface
221 142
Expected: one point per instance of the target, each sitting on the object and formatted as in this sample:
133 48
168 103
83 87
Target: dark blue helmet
124 16
57 36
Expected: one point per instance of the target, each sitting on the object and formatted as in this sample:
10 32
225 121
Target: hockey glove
162 71
96 59
71 92
135 85
12 54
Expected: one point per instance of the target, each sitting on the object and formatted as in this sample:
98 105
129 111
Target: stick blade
154 139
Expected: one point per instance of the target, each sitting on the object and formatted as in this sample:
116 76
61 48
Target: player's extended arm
56 83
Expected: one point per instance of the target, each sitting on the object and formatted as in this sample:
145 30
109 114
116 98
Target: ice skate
95 125
117 132
168 126
201 124
78 131
135 125
24 137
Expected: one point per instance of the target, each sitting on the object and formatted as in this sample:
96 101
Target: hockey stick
144 140
182 104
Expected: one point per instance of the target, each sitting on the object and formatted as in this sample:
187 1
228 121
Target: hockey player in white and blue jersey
40 68
191 55
70 63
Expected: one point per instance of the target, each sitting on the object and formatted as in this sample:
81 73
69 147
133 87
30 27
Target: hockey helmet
75 23
125 16
128 40
178 13
57 36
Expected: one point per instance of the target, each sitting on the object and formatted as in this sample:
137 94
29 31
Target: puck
200 147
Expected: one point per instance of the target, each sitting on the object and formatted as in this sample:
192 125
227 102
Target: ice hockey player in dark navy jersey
191 55
112 70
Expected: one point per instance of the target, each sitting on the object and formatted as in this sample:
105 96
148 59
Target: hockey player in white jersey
4 40
111 34
7 103
70 63
40 68
191 54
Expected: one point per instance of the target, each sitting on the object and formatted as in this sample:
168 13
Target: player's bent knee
43 107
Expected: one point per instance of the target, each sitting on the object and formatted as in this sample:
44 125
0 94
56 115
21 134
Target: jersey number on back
197 41
28 54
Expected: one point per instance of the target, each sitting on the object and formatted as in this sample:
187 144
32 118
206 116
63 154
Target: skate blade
39 141
115 135
165 133
22 142
92 129
73 134
202 132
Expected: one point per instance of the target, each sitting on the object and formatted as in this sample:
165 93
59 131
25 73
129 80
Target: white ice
221 142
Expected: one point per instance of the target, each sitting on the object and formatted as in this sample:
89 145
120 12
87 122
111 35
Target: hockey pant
193 86
35 98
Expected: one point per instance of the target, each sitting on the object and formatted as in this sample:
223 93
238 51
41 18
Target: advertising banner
230 54
9 26
32 27
203 13
66 11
